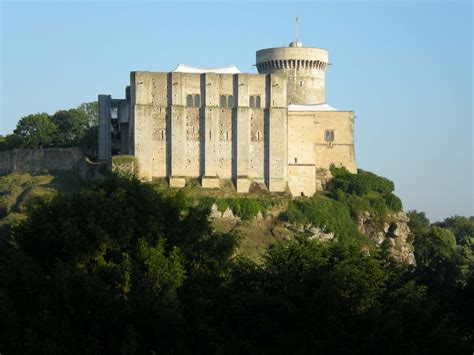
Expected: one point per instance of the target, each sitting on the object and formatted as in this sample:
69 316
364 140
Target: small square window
329 135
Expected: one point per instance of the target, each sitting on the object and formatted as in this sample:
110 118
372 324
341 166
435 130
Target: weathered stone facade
271 128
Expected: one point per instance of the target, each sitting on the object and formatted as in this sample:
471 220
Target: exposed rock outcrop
392 236
314 232
227 214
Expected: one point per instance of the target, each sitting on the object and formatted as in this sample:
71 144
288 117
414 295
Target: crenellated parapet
291 64
304 67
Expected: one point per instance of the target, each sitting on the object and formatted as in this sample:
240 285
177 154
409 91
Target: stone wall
232 126
309 152
40 160
183 129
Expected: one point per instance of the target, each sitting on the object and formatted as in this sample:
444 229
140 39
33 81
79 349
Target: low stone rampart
40 160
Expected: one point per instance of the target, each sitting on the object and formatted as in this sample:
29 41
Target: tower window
189 100
252 101
197 100
258 135
222 102
301 83
329 135
230 102
114 112
257 102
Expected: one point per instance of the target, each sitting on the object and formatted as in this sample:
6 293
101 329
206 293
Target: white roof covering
182 68
318 107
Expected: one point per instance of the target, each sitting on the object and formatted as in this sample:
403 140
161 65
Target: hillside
126 267
354 206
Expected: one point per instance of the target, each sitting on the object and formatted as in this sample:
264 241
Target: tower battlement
305 69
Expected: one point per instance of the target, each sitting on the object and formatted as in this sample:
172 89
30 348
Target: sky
405 68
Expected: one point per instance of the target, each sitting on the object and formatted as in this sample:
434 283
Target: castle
273 128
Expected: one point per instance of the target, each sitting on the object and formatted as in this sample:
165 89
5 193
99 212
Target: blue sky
405 68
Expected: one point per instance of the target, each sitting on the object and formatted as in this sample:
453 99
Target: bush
330 215
360 183
364 191
244 207
393 202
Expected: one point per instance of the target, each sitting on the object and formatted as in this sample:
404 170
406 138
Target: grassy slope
18 192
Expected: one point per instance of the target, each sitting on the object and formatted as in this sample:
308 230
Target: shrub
244 207
330 215
360 183
364 191
393 202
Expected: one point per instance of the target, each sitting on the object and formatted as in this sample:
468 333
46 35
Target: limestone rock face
313 232
323 176
227 215
392 237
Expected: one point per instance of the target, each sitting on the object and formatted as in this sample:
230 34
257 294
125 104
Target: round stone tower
304 67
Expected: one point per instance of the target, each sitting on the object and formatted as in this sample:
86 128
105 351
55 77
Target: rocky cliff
393 235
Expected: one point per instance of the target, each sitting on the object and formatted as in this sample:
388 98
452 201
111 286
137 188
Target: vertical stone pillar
241 142
276 133
209 130
104 152
241 134
177 130
140 117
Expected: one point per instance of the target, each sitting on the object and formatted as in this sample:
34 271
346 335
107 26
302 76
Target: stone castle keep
273 128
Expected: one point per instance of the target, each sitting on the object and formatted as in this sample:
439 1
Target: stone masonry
273 128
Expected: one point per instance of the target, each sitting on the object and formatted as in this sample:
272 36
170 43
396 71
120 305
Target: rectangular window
329 135
114 112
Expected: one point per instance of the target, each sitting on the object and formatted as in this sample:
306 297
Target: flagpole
296 28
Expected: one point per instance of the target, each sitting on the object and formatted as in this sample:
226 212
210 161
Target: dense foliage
243 207
364 191
329 214
65 128
444 251
120 268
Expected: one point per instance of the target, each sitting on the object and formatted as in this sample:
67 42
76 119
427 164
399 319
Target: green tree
89 141
72 126
35 131
91 109
436 256
99 271
418 222
462 227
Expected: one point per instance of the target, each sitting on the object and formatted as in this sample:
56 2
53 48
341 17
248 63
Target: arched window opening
230 102
258 135
222 102
197 100
226 135
257 102
252 101
189 100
